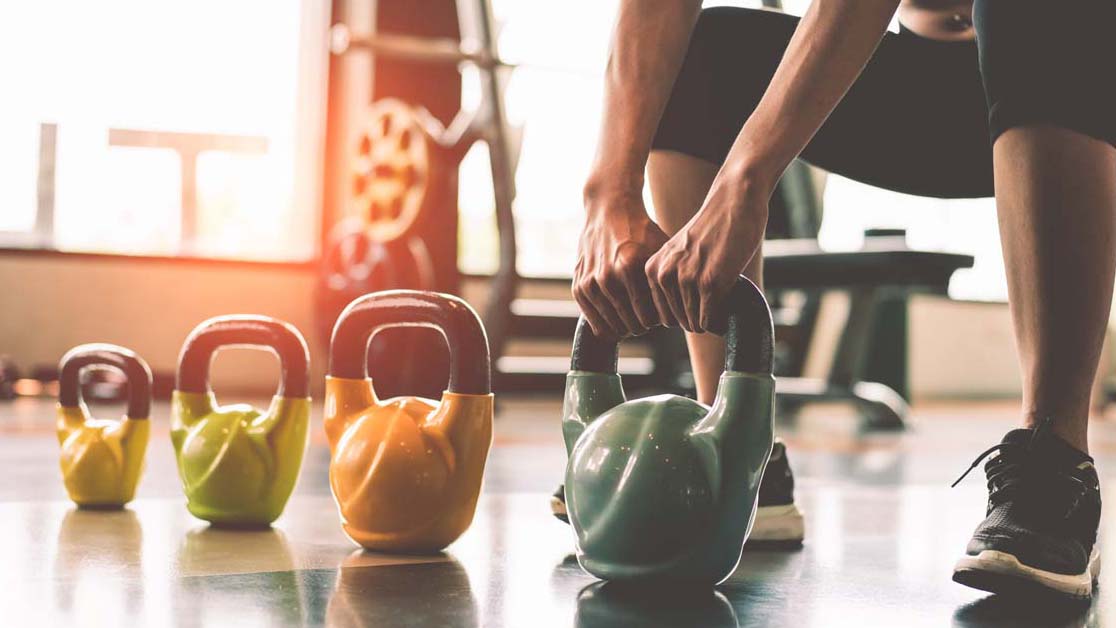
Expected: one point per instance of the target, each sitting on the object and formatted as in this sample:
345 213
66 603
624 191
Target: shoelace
1005 472
1005 448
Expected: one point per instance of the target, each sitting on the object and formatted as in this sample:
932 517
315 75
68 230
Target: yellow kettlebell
102 460
406 472
238 465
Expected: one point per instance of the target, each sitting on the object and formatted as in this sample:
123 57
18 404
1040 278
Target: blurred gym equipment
401 180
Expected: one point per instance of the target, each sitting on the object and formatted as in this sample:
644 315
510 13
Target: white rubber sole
558 508
1000 572
778 524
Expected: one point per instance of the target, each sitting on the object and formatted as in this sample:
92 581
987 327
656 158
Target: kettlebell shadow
369 593
608 604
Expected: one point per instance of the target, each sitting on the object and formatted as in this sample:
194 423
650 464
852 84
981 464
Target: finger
605 310
668 285
662 308
617 293
691 295
598 323
658 295
639 292
712 313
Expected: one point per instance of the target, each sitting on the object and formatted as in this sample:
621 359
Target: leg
1051 102
1056 200
679 184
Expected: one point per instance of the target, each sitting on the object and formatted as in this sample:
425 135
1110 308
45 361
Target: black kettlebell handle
133 367
244 330
749 341
470 368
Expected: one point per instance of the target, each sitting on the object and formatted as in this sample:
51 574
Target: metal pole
498 310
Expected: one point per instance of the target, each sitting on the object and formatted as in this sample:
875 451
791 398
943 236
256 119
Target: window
163 128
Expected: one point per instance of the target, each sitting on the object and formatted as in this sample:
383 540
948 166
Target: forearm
648 46
832 44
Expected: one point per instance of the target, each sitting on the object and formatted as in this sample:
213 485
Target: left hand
692 274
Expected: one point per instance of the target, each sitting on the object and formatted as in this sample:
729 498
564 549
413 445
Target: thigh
915 120
1049 63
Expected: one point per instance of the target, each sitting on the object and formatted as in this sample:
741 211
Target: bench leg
880 406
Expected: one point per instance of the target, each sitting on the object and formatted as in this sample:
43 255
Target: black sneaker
778 520
1040 532
558 504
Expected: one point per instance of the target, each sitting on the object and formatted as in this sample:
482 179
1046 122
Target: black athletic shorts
919 119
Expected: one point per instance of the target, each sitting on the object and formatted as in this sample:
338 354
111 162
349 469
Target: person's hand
692 274
609 282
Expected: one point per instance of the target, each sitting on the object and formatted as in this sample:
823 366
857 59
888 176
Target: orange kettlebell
406 472
102 460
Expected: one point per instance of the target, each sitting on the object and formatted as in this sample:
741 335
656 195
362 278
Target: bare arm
698 266
829 49
648 46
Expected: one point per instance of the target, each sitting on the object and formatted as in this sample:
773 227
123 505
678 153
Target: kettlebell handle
749 341
135 371
470 367
245 330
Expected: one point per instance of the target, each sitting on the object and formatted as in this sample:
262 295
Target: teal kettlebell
664 488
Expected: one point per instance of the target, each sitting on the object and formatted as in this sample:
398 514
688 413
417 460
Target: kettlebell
664 488
406 471
102 460
238 465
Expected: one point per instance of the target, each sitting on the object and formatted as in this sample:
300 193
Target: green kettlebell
238 465
664 488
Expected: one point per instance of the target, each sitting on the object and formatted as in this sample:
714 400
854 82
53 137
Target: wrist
608 192
752 179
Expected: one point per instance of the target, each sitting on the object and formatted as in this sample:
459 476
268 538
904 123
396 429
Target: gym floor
883 531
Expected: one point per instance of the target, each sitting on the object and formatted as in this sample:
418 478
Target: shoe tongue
1048 447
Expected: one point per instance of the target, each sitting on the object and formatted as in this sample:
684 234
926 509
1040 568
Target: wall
53 302
961 349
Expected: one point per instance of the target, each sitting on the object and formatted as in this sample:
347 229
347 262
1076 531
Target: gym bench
883 265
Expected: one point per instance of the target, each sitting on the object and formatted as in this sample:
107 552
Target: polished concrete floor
883 531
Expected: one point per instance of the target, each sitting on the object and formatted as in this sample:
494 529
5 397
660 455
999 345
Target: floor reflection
611 605
92 546
211 550
433 594
1026 613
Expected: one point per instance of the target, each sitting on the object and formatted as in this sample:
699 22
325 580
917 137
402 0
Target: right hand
610 284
